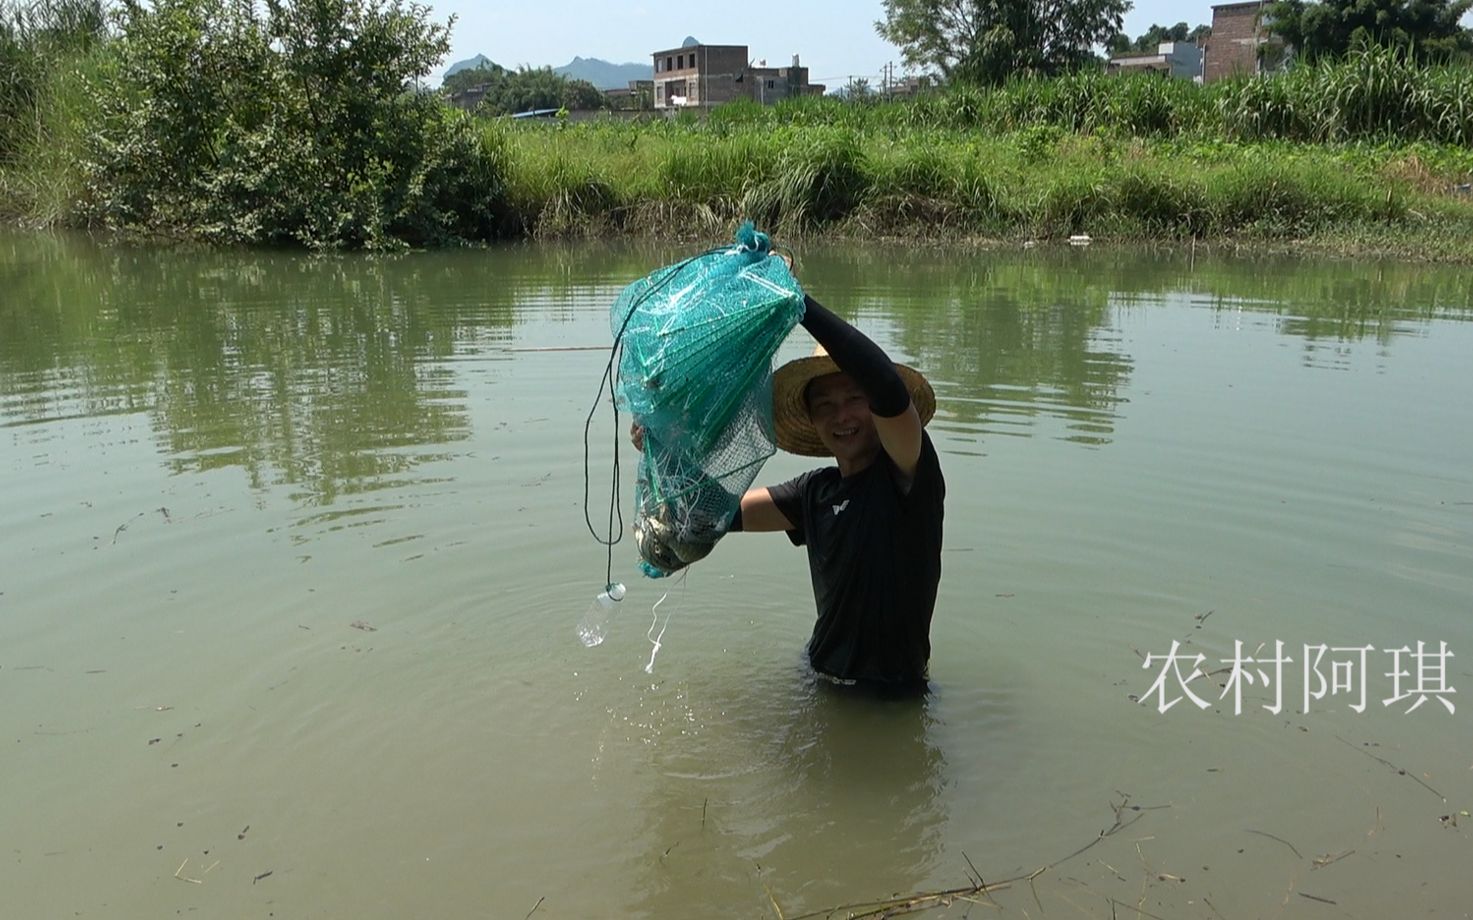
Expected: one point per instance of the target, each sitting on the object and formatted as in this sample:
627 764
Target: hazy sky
836 38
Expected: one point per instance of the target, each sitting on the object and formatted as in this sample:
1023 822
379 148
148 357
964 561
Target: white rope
655 618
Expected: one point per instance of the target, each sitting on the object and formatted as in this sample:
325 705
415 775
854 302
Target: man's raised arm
896 421
760 513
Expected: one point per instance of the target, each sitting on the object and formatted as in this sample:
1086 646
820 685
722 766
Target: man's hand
636 436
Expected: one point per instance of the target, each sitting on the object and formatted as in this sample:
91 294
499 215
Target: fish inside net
695 369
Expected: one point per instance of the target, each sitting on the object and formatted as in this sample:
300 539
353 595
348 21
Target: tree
1332 27
1155 35
582 95
288 121
539 88
857 88
463 80
1120 43
988 41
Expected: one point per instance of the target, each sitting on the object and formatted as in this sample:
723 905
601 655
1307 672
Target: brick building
697 75
639 95
1240 42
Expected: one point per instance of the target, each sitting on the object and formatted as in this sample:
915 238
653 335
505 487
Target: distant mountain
479 60
601 74
604 75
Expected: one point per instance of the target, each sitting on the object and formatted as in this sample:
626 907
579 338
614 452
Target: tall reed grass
1376 139
46 48
1372 94
1038 182
37 38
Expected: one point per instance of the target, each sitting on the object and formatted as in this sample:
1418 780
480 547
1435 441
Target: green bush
296 125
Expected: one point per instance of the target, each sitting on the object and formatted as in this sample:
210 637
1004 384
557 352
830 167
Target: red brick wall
704 74
1233 45
720 66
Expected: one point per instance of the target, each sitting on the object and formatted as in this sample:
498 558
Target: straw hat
795 433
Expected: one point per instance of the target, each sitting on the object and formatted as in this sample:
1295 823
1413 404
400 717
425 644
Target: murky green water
292 551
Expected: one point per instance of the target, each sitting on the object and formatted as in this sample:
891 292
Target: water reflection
331 376
324 375
868 781
1007 341
840 780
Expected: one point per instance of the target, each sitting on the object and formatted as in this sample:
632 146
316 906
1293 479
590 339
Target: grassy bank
1036 183
186 120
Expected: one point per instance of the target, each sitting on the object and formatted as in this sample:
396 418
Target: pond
294 549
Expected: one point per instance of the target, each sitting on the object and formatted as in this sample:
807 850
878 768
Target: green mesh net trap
695 370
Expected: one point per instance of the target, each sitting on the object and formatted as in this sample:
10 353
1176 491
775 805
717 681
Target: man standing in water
871 524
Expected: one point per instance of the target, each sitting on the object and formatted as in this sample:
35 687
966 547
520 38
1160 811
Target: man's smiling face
840 412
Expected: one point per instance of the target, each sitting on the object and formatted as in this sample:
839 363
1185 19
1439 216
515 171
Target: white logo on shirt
838 508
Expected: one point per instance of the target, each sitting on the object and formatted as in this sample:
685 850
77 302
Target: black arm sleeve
858 357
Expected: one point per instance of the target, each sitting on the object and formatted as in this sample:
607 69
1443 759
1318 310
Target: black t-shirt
874 551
